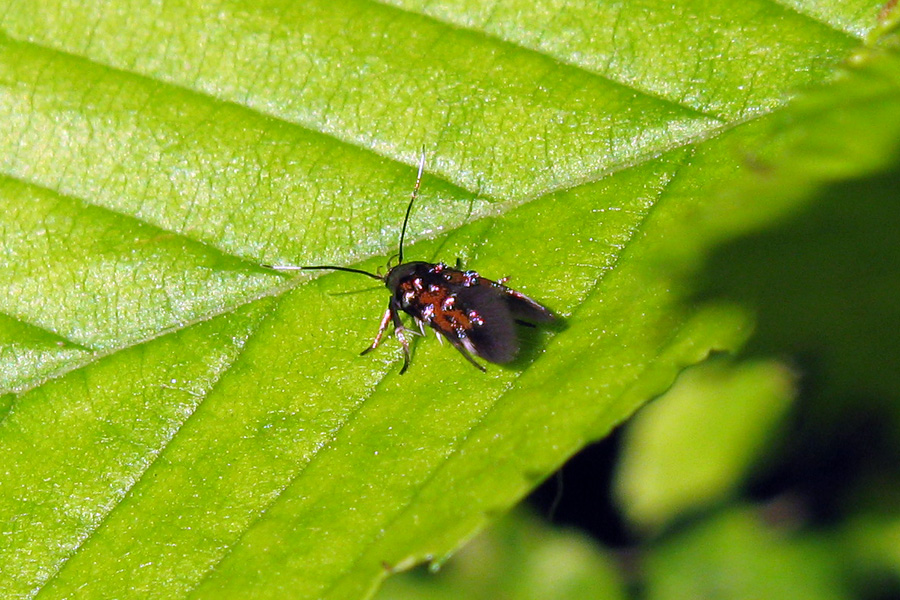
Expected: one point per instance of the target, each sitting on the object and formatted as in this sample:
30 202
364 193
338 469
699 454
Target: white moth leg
400 332
381 329
465 347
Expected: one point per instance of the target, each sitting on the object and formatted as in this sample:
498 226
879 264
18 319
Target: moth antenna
412 199
324 268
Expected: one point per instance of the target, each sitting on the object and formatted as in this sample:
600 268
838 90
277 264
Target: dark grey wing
492 333
524 308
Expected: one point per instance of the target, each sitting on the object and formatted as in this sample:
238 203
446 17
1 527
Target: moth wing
495 340
524 308
521 306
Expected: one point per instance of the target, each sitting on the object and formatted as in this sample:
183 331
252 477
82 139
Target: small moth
477 315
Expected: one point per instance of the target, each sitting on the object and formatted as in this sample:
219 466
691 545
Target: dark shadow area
826 288
579 494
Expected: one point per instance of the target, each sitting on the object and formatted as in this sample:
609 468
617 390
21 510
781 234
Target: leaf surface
180 422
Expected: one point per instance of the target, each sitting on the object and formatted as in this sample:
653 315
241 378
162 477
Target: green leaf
180 422
692 446
739 555
870 544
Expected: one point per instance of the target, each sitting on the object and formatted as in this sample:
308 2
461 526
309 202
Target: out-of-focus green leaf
738 555
690 447
517 558
186 424
871 545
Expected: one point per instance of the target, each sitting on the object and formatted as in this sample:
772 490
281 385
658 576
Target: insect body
478 316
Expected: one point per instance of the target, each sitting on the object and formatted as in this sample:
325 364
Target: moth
478 316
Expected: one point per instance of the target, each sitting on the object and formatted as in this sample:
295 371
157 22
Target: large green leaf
180 422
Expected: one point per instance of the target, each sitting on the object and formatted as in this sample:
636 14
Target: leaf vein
238 353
